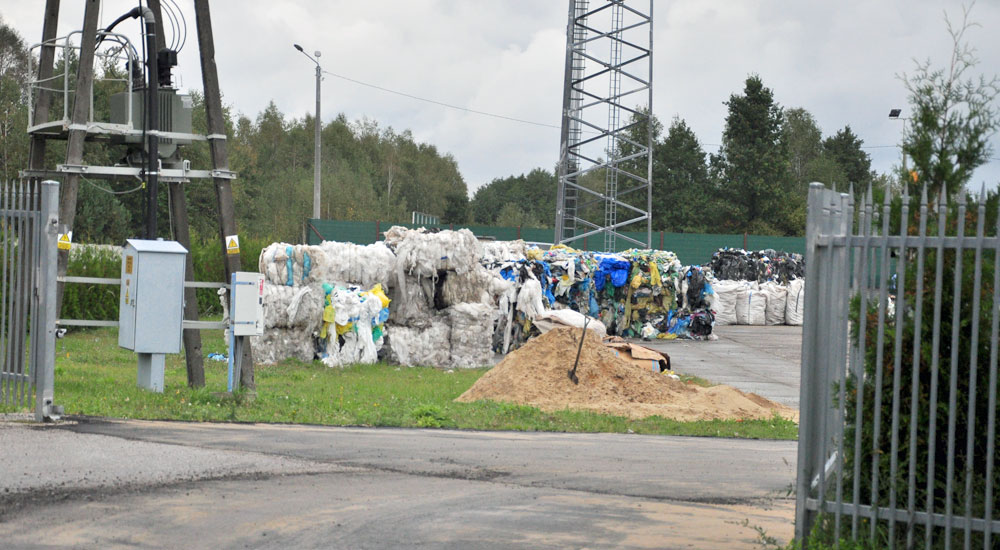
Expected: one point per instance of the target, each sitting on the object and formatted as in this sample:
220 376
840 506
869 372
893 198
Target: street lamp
318 124
894 115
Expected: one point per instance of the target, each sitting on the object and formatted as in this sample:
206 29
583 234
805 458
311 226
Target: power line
513 119
441 103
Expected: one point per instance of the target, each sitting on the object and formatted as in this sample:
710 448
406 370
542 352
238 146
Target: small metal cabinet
247 315
151 305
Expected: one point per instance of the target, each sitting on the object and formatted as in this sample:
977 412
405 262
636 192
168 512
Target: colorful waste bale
638 293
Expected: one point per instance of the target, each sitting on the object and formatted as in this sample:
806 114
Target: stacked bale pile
757 288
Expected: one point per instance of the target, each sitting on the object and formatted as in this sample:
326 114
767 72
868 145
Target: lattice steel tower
605 165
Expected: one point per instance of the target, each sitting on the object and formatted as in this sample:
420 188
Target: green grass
95 377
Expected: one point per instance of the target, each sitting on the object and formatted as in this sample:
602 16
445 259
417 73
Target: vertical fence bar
6 219
17 368
824 326
859 374
956 319
45 360
918 297
844 284
31 235
935 367
991 422
897 364
883 305
970 430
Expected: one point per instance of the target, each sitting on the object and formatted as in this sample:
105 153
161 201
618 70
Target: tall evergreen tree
844 148
752 163
682 191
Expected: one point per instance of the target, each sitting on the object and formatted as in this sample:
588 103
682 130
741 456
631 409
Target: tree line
756 182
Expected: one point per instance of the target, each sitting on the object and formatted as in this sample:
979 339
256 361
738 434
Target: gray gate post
809 417
43 366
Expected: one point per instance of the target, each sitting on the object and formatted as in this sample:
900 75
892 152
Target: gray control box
247 315
151 304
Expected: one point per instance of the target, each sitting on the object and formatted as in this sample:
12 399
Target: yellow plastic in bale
380 294
654 275
343 329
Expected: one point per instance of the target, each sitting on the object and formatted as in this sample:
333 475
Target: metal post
44 368
316 160
809 419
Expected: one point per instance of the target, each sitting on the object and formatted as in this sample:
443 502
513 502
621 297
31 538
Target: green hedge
93 301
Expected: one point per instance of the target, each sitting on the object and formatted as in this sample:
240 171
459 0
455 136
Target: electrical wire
112 191
182 25
441 103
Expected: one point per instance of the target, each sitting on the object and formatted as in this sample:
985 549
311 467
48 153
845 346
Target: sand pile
536 375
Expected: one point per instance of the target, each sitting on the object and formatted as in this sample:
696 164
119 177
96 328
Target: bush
93 301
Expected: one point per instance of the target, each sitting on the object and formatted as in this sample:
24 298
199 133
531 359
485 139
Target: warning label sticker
232 244
65 241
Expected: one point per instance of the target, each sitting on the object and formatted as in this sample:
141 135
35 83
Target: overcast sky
839 60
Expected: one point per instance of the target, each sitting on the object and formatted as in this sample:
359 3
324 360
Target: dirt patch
536 375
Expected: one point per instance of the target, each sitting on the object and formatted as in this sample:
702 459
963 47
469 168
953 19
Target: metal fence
897 436
29 224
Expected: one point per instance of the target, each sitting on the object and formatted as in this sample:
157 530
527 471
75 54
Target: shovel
572 372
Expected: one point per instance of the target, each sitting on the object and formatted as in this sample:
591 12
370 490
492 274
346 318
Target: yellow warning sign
65 241
232 244
128 267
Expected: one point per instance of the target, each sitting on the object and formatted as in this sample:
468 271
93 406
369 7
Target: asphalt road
94 483
113 484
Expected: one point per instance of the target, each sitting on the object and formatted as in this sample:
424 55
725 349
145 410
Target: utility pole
318 128
220 159
193 359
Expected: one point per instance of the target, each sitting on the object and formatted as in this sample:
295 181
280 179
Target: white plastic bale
471 334
362 265
279 344
423 254
751 305
298 307
472 286
795 302
777 296
421 346
503 251
412 301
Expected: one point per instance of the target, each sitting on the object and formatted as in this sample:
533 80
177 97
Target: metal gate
897 435
29 224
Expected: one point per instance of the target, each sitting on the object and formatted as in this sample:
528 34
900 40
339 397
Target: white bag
726 294
796 301
777 296
751 305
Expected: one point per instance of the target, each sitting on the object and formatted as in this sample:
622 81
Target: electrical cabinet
151 304
247 316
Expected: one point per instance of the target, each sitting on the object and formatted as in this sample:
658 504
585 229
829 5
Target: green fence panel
691 248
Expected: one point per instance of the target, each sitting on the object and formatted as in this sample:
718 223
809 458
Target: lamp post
318 123
894 115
